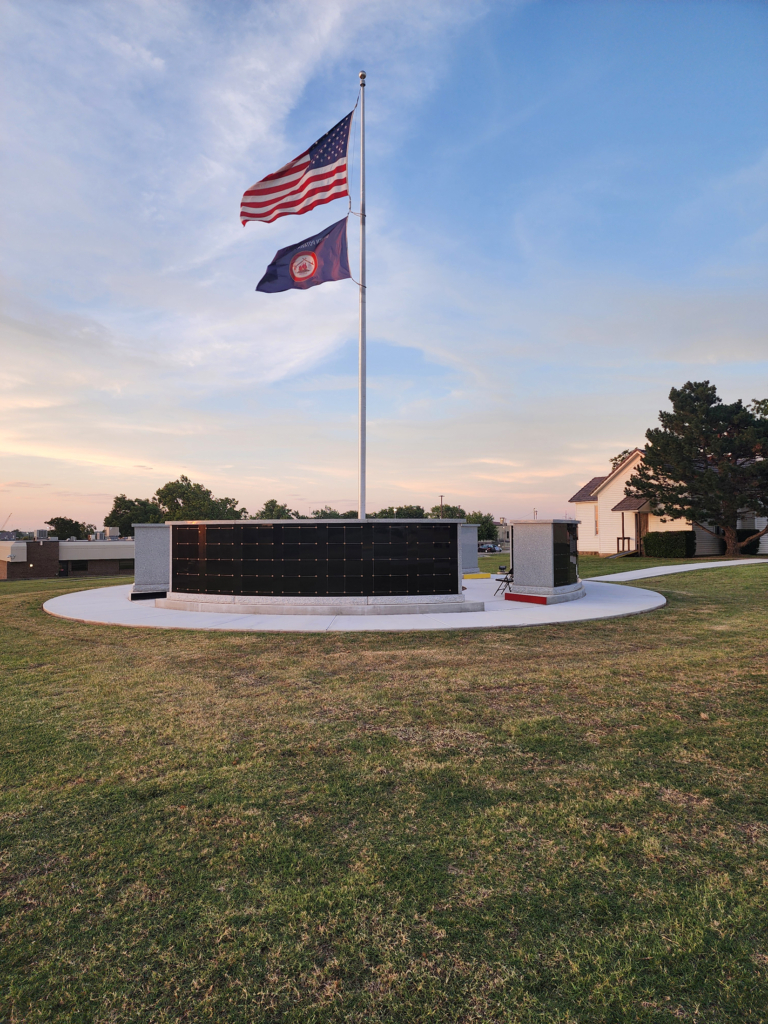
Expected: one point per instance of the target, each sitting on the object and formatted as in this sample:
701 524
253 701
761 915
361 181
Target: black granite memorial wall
325 558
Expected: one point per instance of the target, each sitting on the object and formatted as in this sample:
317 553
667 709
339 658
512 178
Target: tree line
184 500
707 464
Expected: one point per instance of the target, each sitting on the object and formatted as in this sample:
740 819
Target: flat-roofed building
46 559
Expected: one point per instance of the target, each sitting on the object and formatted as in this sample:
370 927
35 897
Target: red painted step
530 598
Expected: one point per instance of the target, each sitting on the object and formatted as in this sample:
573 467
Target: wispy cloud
503 360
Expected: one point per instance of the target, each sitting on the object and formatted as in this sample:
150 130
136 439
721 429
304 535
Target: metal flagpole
361 347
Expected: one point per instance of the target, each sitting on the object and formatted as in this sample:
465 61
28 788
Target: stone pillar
544 561
469 548
152 560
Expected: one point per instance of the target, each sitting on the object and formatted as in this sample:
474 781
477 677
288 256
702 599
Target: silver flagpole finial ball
362 77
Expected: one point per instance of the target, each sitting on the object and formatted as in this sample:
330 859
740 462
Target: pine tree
707 462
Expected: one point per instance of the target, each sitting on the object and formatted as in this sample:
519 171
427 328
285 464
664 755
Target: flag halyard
316 176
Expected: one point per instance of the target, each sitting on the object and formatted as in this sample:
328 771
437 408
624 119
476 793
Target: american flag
317 176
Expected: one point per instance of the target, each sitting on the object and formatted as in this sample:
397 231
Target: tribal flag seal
302 266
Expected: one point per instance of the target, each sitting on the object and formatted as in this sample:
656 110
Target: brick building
46 559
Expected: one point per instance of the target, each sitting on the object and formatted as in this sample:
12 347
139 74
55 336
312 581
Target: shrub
670 544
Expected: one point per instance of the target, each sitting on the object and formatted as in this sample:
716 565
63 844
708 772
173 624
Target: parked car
487 547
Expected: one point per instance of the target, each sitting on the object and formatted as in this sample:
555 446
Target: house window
597 524
125 565
78 566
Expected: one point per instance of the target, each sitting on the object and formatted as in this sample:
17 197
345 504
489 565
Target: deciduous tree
272 509
65 528
486 528
127 511
183 499
447 512
400 512
331 513
177 500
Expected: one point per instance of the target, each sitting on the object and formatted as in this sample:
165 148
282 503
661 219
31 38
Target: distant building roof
585 494
629 505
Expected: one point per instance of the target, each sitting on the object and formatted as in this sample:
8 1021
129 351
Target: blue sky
567 216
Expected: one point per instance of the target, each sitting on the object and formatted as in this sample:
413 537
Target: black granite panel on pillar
573 542
565 570
186 584
185 550
381 585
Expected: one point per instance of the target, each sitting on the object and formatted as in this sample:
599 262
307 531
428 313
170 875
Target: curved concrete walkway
111 605
605 599
668 570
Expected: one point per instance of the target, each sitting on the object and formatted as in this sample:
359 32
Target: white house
612 523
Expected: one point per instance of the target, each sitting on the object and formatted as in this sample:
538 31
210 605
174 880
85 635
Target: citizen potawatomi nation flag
313 261
318 176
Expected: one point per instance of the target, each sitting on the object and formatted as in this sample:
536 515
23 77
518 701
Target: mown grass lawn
561 824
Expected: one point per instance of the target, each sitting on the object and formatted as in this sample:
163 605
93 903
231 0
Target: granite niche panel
565 553
324 558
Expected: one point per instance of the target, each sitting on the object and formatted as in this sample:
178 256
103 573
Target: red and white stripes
294 189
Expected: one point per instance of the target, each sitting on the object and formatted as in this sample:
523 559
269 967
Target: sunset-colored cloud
559 232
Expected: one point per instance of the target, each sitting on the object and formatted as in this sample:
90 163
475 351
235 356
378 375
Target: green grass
564 824
59 585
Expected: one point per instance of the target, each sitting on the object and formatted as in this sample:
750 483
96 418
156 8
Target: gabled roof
629 505
585 494
615 472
